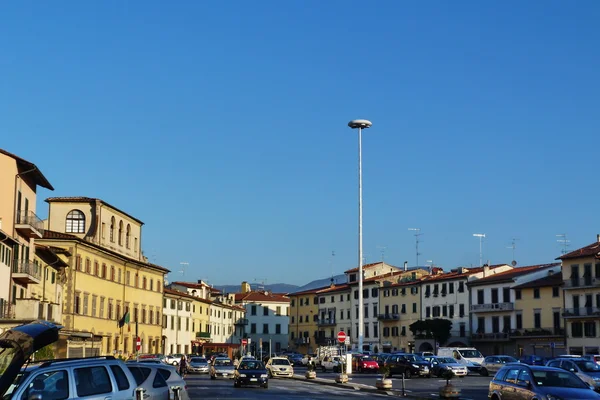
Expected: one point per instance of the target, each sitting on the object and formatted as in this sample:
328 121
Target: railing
26 217
538 332
205 335
492 307
7 310
585 281
326 322
242 321
490 336
388 317
28 268
581 312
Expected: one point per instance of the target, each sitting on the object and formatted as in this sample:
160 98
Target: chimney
246 287
597 236
486 270
406 264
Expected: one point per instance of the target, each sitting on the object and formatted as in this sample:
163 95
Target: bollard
139 393
176 390
403 387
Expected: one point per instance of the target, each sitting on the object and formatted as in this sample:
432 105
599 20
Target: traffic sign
244 342
138 345
249 340
347 341
341 337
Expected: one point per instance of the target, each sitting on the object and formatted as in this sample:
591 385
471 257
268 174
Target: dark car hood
18 344
252 371
570 393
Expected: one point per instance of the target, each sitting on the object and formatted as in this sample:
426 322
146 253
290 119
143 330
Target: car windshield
280 361
251 365
447 360
16 383
413 357
199 360
367 358
222 363
470 354
558 379
588 366
507 359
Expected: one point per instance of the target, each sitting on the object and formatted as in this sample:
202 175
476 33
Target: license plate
224 374
253 379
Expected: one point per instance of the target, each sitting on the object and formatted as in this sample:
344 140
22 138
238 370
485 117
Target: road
202 387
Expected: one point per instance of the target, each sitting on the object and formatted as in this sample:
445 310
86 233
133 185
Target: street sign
138 345
347 341
249 340
244 342
260 342
341 337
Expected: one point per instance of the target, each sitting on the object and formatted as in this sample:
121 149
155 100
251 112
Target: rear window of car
122 381
166 374
92 380
137 374
159 381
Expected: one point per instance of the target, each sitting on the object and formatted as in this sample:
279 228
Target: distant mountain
319 283
275 288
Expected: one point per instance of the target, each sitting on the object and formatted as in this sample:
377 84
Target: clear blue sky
222 125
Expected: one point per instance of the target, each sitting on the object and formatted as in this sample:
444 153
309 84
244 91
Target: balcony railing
581 312
242 321
203 335
492 307
388 317
26 272
585 281
326 322
490 336
538 332
28 224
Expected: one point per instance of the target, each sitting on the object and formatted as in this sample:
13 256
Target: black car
251 373
408 365
295 359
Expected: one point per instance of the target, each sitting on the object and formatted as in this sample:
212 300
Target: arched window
127 235
75 222
120 233
112 229
144 282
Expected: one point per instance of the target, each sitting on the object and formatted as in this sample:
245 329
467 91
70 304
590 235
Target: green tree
436 328
45 353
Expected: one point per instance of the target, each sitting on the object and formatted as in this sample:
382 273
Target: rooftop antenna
382 249
513 246
564 241
183 267
417 234
261 282
481 236
331 263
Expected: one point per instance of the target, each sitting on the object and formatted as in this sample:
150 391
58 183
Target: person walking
183 366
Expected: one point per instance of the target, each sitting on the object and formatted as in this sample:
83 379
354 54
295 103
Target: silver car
221 367
198 365
150 380
494 363
439 365
587 370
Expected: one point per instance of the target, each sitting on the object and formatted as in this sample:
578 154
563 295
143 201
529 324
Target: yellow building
303 330
399 307
539 327
20 272
107 280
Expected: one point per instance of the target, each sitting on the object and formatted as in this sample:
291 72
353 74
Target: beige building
111 291
334 313
304 313
581 275
399 307
20 271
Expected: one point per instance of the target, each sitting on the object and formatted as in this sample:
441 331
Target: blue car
533 360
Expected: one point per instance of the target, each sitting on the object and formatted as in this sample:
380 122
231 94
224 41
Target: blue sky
222 125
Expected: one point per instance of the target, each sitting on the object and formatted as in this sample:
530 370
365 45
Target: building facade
178 321
334 314
105 283
581 275
304 313
399 307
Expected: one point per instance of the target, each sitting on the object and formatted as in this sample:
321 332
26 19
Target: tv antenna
331 263
513 246
382 249
481 236
184 265
564 242
261 283
417 234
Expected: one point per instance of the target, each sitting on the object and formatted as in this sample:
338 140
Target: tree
436 328
45 353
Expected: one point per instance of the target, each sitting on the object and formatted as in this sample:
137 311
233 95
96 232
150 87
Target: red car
364 363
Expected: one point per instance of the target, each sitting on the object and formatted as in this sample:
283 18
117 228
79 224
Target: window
94 301
451 311
414 308
403 309
461 287
75 222
112 273
536 293
144 282
480 296
450 287
589 329
265 328
253 328
517 294
77 303
88 265
461 310
128 236
374 292
104 271
519 320
112 230
92 381
356 295
265 310
427 312
375 330
481 325
54 382
556 291
122 381
576 329
120 233
278 329
253 309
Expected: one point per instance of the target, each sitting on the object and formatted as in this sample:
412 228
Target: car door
523 389
508 387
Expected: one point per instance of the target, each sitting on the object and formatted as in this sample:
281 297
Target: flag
124 320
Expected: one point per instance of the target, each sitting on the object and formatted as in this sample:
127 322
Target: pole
480 251
136 337
360 249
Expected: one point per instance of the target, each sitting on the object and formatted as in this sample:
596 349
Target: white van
469 356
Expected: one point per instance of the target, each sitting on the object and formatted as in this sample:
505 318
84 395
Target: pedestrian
183 366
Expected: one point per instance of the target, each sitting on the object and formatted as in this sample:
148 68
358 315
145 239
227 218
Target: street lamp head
359 123
480 235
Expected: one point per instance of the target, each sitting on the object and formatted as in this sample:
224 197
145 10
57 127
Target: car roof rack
46 363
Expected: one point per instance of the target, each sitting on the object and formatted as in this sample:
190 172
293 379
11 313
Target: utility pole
480 236
417 234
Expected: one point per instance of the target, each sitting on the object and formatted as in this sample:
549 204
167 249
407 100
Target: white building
268 319
446 295
225 317
178 331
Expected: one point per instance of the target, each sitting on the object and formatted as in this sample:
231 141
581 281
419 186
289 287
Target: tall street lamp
480 236
360 124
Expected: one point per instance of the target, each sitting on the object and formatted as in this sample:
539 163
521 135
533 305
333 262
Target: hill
275 288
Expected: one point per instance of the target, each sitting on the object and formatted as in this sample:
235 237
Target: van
469 356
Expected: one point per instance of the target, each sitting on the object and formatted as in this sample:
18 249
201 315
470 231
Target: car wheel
175 363
323 369
266 386
407 373
270 374
484 372
213 377
360 370
236 385
439 374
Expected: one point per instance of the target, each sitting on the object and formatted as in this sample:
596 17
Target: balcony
29 225
583 282
203 335
25 272
487 337
388 317
326 322
490 307
241 321
537 332
581 312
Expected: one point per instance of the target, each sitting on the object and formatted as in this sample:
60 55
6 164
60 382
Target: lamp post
480 236
360 124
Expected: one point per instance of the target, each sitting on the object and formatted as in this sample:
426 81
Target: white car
221 367
279 366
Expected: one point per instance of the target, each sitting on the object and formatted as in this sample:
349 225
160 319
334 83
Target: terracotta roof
52 235
367 266
31 169
417 281
459 274
309 291
83 199
253 297
508 276
555 279
587 251
193 285
333 289
173 292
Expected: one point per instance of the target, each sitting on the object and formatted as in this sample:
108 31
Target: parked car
171 375
173 359
588 371
533 359
221 367
295 359
198 365
439 365
331 363
408 365
149 379
380 358
251 372
522 381
279 366
494 363
364 363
